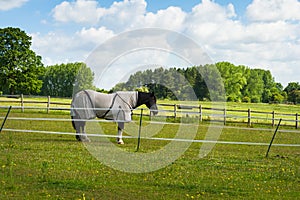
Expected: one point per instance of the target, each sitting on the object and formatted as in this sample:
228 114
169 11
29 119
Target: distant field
53 166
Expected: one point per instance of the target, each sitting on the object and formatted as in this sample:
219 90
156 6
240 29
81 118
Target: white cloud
209 11
117 16
171 18
269 39
94 36
211 23
123 15
80 11
60 47
271 44
10 4
274 10
57 47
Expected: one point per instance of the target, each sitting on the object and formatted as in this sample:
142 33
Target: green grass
43 166
286 112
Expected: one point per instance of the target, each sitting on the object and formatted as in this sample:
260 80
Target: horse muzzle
154 110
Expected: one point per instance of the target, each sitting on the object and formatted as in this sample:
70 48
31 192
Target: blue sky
256 33
30 14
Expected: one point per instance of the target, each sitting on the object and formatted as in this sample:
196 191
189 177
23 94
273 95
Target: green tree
234 80
270 87
293 92
255 86
84 77
64 79
211 84
20 67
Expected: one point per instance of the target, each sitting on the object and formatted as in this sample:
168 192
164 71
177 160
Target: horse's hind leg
120 132
77 126
83 136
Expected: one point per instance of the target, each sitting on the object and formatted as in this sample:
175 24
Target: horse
118 106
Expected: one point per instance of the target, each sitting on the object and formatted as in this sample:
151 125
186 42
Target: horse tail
74 115
73 122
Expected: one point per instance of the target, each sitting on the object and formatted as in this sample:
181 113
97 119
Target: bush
246 100
255 99
230 98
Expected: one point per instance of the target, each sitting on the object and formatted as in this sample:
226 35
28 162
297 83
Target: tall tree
255 86
234 80
64 79
20 67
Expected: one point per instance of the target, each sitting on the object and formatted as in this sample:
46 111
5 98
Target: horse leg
77 126
83 136
120 132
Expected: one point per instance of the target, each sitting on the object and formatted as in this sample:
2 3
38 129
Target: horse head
151 103
149 100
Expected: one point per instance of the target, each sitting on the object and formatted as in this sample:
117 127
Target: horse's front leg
120 132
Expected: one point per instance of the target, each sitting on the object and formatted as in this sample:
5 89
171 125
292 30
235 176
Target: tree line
240 83
22 72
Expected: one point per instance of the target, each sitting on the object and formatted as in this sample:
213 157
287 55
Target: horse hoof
120 142
78 138
82 138
86 140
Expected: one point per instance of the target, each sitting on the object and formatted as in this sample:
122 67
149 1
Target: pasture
245 113
54 166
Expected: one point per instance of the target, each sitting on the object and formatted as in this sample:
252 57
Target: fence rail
247 116
20 99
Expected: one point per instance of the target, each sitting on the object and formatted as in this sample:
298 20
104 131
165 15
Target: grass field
261 112
45 166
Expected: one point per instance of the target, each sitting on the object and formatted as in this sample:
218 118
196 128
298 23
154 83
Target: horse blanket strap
121 106
103 116
87 94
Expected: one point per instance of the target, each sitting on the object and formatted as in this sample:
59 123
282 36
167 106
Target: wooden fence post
48 105
249 117
175 111
22 102
200 112
296 120
224 116
273 118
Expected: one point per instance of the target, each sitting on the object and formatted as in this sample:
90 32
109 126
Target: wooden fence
248 116
47 103
200 112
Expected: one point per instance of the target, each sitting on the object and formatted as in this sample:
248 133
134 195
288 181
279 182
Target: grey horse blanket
117 106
